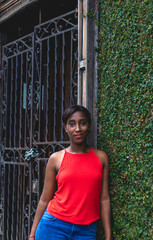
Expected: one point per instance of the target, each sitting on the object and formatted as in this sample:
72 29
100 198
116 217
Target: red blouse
77 199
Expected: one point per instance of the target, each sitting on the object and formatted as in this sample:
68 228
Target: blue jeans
52 228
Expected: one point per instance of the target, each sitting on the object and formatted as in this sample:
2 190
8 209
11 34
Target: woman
75 193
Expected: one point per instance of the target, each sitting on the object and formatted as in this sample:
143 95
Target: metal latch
35 186
82 64
32 153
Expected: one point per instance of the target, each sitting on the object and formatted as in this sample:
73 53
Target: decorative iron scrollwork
56 26
17 47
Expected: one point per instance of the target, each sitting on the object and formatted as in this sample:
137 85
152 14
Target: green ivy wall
125 113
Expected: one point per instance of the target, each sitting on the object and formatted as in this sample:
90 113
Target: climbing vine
125 114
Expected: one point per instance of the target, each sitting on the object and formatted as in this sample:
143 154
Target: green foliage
125 97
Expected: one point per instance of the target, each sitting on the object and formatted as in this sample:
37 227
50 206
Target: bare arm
47 194
105 211
105 199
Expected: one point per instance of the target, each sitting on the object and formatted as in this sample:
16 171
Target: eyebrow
83 119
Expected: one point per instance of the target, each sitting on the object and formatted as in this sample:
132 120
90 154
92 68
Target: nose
77 127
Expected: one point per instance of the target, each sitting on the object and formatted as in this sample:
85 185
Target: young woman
76 192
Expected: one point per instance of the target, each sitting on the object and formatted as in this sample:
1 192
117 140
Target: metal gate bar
56 64
17 83
15 199
16 126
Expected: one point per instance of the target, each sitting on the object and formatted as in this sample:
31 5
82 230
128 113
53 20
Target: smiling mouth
79 136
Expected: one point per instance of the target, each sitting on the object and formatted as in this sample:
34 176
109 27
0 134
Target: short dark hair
75 108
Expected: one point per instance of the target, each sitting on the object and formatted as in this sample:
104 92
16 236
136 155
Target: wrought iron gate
39 82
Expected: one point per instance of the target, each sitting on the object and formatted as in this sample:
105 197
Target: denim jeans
52 228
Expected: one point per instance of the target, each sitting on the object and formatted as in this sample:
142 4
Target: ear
65 127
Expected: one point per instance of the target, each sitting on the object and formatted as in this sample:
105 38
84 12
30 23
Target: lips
78 136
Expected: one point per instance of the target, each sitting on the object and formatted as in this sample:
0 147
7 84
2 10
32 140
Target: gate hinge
82 64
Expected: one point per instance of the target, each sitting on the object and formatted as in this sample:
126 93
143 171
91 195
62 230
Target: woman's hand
31 237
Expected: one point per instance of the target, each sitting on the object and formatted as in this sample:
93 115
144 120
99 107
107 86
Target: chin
79 141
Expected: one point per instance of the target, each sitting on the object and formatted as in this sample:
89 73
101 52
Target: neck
83 148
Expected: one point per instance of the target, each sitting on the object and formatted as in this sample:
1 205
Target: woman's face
77 127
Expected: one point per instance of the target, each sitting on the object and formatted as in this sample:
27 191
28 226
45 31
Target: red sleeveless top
77 199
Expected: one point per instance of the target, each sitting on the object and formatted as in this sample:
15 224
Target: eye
83 123
71 124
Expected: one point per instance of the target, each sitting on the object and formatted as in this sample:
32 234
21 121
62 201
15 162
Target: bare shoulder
56 155
103 157
56 159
